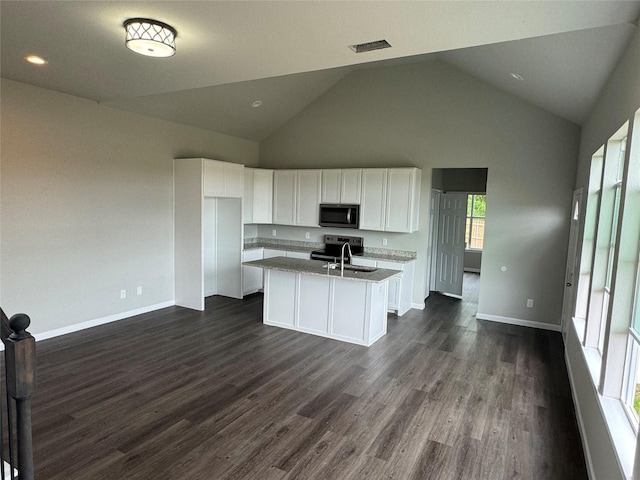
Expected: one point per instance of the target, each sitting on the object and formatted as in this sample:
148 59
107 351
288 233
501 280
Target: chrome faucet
345 244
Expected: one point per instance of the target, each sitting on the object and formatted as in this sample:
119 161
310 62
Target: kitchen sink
351 268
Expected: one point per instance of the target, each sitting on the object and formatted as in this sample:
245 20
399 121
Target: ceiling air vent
367 47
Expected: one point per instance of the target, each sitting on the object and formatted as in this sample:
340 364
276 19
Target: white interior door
432 253
450 244
569 298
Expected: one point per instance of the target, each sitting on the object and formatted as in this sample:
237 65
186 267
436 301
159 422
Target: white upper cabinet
262 195
373 201
308 198
403 199
296 197
350 186
284 197
258 196
390 199
341 186
331 185
247 197
223 179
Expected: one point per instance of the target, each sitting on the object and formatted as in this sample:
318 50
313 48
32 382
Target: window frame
470 219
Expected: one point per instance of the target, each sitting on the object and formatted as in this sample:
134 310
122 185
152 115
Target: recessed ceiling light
256 104
517 76
35 59
150 37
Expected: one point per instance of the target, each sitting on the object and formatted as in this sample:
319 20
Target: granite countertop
317 267
387 255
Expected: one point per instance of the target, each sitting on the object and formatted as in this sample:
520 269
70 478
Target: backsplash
302 245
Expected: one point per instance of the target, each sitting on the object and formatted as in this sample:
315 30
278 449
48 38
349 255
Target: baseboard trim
100 321
418 306
518 321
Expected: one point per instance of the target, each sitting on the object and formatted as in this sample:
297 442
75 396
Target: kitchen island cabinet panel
313 306
349 319
299 296
280 305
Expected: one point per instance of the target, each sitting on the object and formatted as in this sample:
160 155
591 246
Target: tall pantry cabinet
208 230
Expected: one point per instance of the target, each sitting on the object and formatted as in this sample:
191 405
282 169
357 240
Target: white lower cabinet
270 253
400 288
342 309
303 255
251 276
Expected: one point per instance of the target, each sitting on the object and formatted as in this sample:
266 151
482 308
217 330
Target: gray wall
87 205
616 104
431 115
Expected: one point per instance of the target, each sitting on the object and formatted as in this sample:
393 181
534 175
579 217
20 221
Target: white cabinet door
270 253
233 180
373 204
403 196
247 198
350 186
213 178
331 185
284 197
262 195
251 276
303 255
308 198
394 293
223 179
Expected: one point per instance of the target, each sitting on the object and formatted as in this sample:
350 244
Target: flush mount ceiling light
517 76
256 104
35 59
150 37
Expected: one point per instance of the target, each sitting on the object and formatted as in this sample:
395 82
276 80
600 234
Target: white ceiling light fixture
256 104
150 37
517 76
35 59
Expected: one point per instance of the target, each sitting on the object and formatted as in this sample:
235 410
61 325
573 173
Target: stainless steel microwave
339 215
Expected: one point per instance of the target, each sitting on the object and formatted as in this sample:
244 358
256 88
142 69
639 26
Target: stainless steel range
333 248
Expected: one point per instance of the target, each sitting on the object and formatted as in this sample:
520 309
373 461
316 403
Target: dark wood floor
178 394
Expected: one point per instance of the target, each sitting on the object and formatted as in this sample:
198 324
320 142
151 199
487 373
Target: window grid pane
474 233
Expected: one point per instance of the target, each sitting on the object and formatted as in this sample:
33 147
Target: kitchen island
306 296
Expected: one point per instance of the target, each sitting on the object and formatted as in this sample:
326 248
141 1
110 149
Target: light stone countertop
387 255
316 267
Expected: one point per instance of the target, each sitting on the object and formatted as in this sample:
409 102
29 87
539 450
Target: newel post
20 349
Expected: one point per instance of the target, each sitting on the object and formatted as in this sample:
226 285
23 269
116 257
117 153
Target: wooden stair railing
20 370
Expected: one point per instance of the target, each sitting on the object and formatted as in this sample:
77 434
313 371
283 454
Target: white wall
86 195
431 115
616 104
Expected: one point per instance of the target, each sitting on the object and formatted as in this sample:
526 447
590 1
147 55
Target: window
631 387
474 234
612 243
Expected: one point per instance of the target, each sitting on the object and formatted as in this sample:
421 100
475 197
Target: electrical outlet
384 241
123 294
307 235
530 303
273 232
139 290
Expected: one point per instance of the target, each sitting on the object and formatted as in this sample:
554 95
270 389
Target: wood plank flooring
179 394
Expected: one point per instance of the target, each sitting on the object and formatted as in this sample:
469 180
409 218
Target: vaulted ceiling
287 53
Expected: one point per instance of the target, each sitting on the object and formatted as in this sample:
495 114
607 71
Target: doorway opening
457 228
